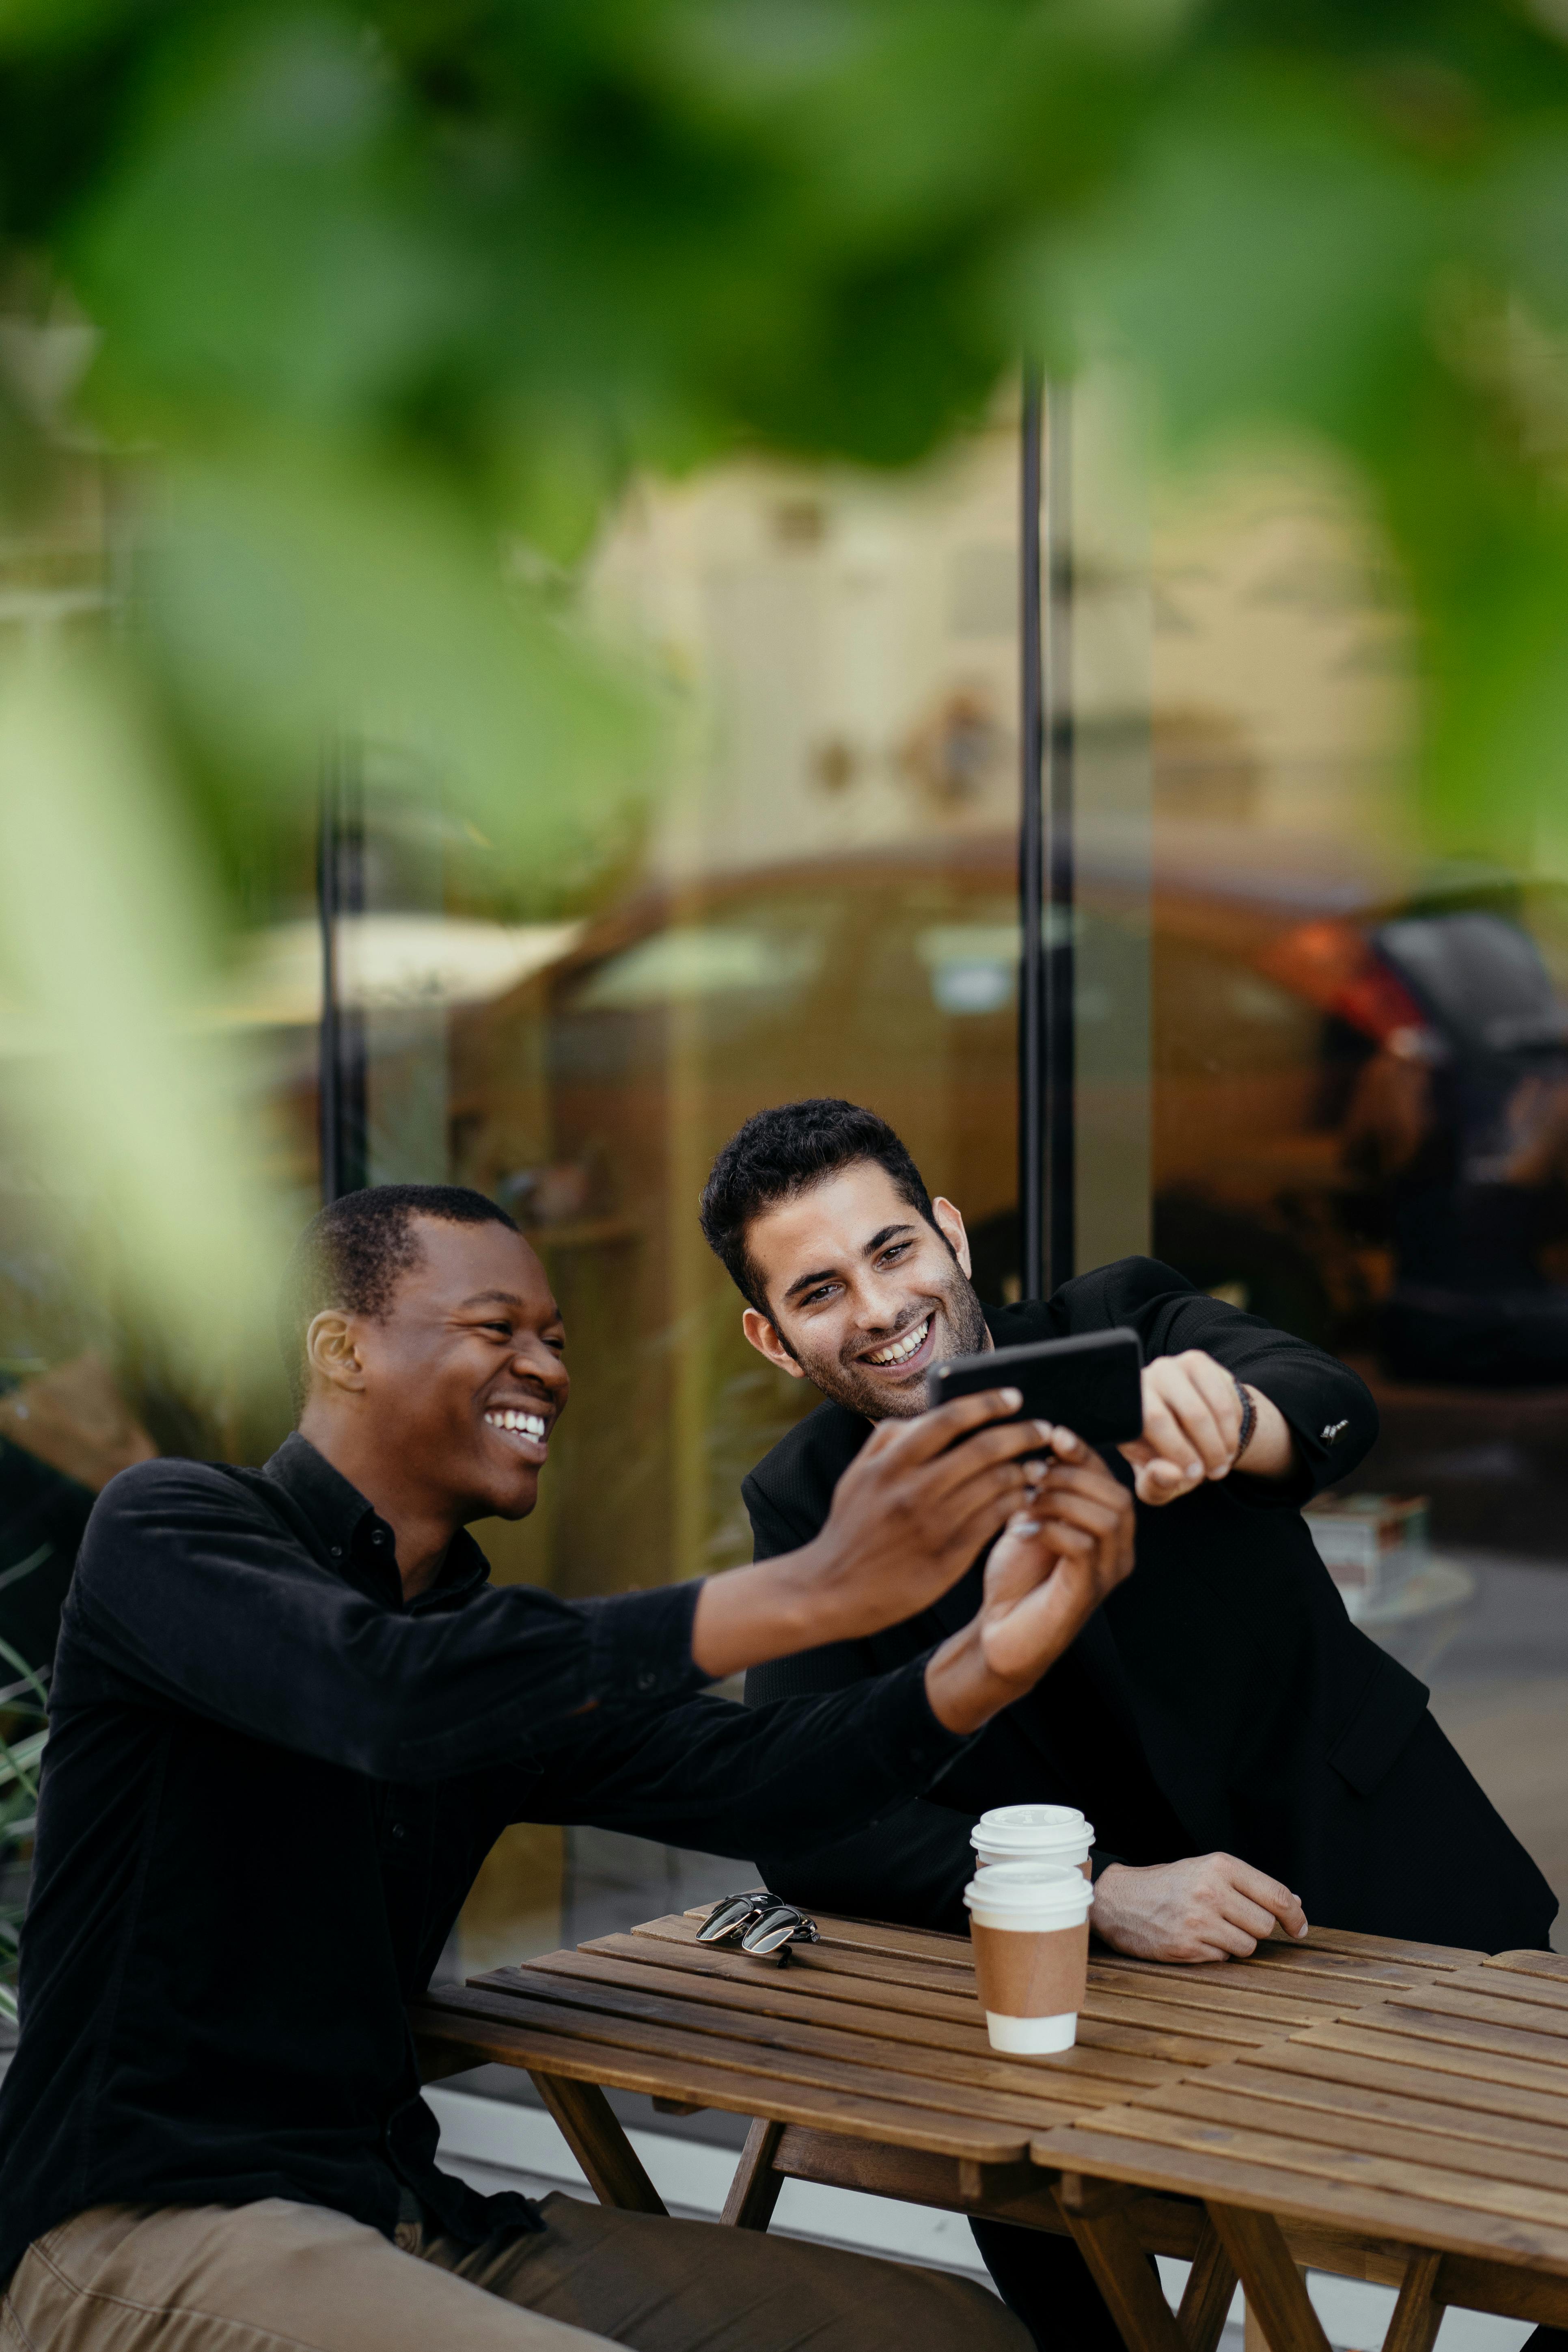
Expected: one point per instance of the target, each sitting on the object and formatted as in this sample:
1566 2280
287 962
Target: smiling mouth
531 1428
900 1354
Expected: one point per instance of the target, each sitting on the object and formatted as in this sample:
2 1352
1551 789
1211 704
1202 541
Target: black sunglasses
758 1922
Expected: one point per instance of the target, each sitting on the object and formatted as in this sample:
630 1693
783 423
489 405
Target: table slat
1528 1963
1246 2107
1406 2175
954 2021
1486 2006
1512 1984
738 2019
1544 2052
1293 2196
677 2074
1298 1967
934 1975
1096 2078
1439 2106
764 2055
1406 2049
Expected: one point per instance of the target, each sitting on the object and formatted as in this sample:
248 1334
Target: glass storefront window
1322 1077
825 903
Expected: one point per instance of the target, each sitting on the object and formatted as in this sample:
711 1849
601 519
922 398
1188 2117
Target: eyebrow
491 1299
825 1273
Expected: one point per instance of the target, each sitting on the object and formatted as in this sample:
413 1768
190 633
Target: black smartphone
1090 1385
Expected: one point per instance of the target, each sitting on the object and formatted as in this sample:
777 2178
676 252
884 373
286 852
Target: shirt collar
348 1525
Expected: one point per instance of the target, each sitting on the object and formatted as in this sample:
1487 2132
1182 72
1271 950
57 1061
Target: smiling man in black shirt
1247 1758
290 1715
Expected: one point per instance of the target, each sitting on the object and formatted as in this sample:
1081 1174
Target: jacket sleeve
911 1868
739 1780
188 1586
1331 1410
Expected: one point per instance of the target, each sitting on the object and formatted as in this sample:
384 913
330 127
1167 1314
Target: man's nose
881 1306
541 1364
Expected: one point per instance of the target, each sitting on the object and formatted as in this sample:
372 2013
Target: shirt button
399 1830
337 1551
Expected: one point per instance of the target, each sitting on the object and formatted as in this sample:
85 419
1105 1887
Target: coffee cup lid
1059 1895
1031 1829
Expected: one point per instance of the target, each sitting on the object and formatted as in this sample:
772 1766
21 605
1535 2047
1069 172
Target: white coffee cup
1053 1833
1028 1925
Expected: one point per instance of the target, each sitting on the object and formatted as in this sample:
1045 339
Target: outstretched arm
909 1514
742 1781
1314 1418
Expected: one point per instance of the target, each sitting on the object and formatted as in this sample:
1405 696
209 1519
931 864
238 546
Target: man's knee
703 2281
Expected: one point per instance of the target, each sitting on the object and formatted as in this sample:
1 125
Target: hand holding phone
1092 1383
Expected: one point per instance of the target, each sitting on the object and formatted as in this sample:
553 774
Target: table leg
1275 2292
1207 2298
1417 2317
592 2130
1096 2213
754 2191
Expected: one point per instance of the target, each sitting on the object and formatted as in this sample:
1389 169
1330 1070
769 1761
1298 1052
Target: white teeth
904 1347
528 1424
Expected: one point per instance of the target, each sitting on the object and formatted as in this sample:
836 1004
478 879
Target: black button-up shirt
268 1786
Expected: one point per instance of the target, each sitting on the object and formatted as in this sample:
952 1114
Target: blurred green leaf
105 955
296 596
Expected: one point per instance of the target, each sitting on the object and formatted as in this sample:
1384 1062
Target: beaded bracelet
1248 1421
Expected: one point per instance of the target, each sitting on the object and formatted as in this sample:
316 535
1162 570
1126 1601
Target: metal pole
330 1063
340 891
1059 1016
1032 1175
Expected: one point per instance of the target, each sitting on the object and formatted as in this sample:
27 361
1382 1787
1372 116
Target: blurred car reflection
1360 1118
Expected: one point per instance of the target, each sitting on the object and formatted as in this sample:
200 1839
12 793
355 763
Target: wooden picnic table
1386 2110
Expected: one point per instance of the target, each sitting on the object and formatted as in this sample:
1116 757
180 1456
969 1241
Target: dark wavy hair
782 1152
354 1253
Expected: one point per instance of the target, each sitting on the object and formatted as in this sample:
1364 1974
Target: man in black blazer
1250 1759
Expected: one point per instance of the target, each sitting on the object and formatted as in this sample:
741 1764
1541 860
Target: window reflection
1360 1092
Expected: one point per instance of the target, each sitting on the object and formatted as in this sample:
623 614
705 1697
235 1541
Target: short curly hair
352 1255
784 1152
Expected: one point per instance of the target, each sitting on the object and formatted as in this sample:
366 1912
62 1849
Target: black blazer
1225 1676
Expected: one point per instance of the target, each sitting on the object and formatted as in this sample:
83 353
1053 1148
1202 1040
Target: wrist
1269 1451
962 1690
1107 1887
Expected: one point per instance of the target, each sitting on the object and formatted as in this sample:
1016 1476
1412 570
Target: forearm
770 1610
803 1600
1326 1410
746 1781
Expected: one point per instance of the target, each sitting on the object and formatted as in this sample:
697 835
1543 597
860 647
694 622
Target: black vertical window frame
340 893
1047 1139
1032 1149
1060 1074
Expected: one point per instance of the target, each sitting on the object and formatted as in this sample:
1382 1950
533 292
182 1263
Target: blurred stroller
1461 1119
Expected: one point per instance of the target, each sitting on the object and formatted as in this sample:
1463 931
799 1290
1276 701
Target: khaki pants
280 2277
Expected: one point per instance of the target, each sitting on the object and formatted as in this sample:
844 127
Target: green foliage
374 309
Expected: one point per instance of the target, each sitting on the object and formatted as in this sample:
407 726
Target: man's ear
759 1329
331 1349
951 1222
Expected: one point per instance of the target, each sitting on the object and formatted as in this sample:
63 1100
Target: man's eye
815 1298
504 1329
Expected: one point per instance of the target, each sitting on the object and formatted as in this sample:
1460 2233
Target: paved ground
1499 1690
